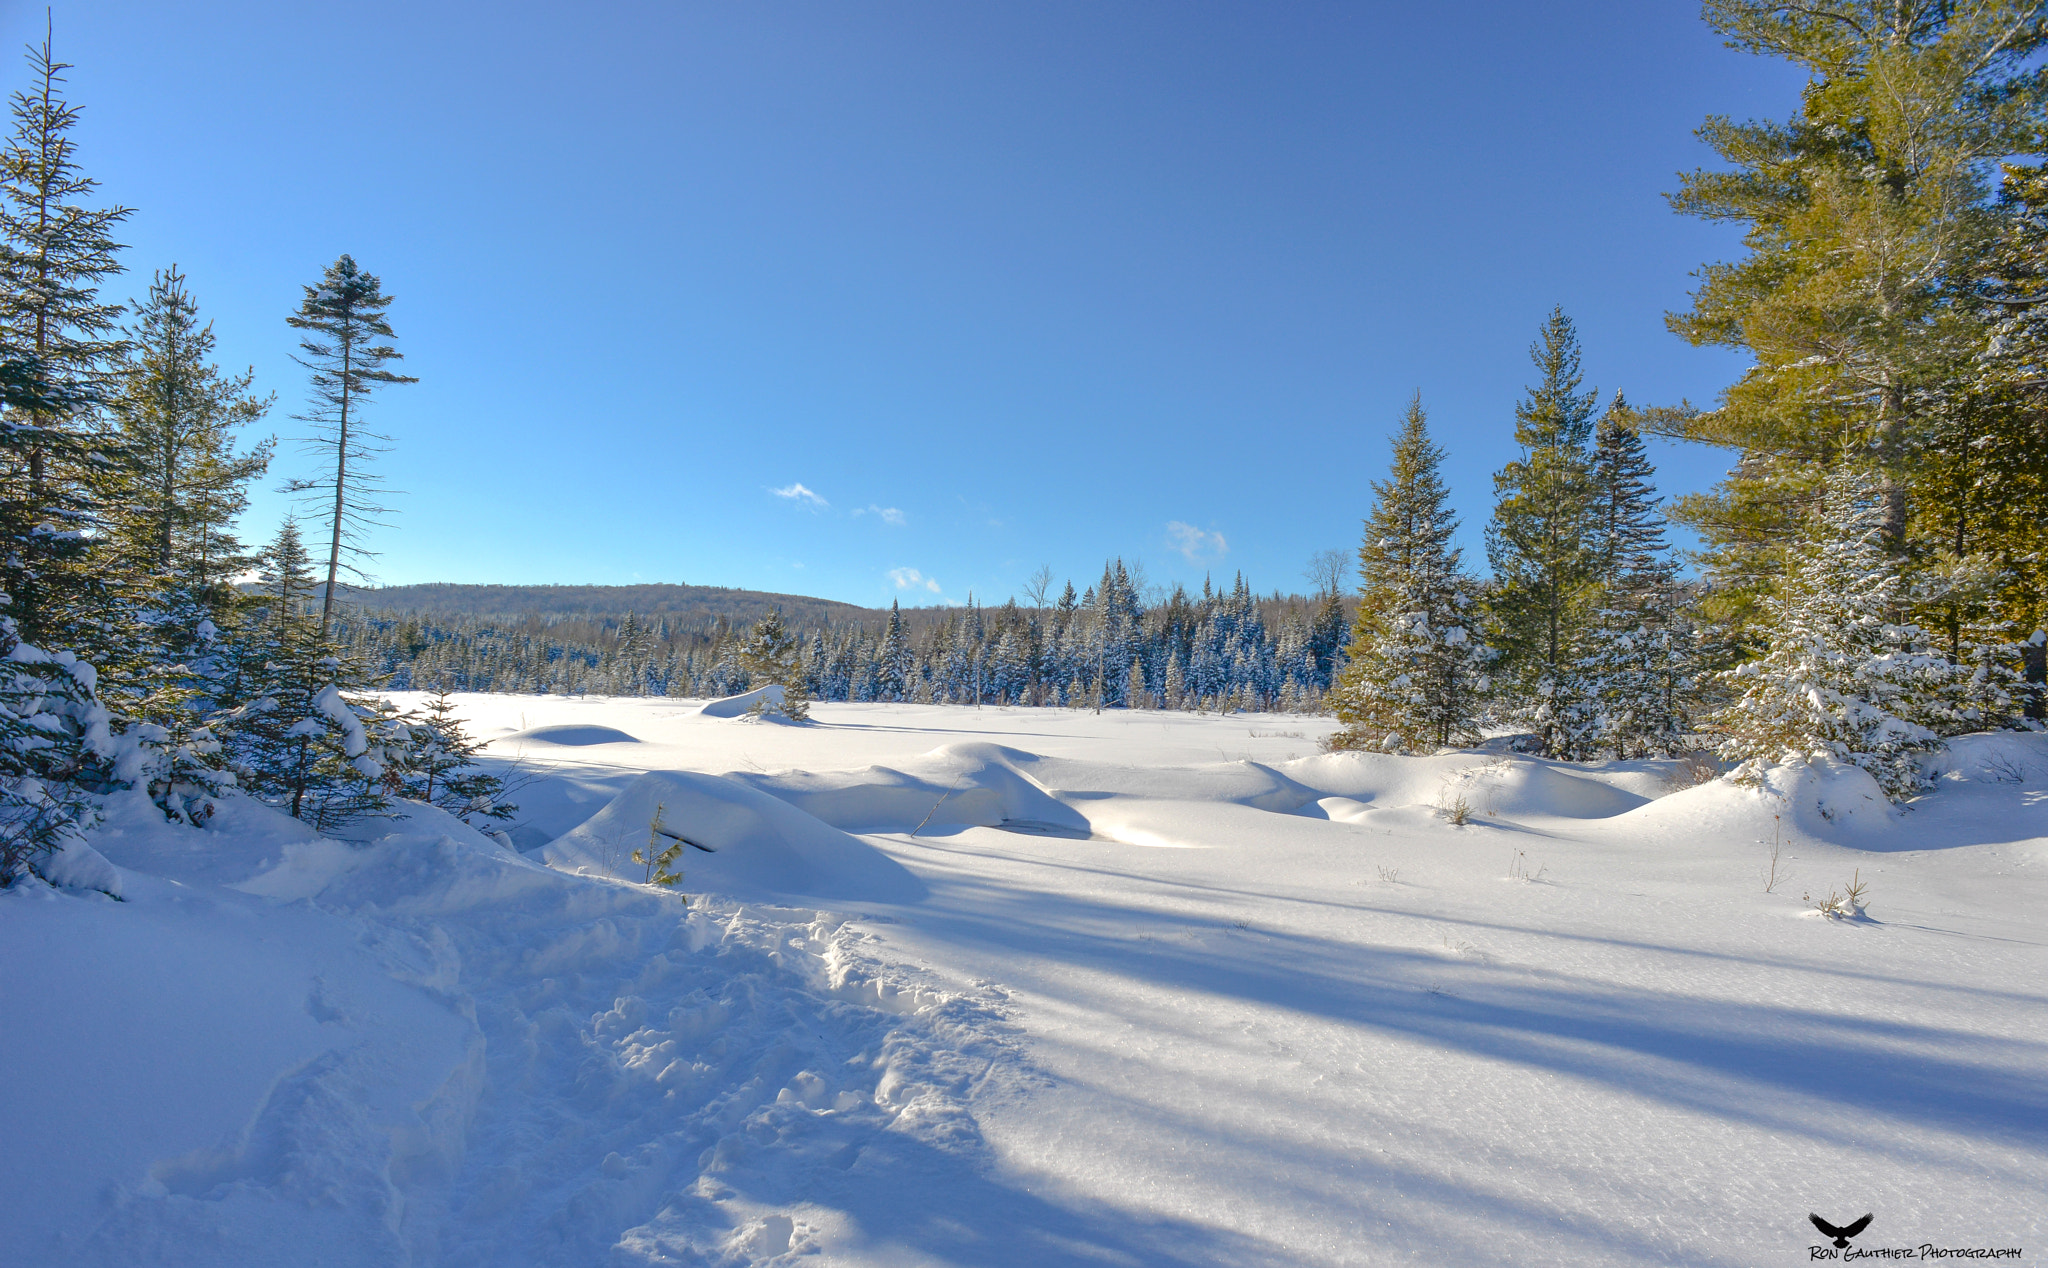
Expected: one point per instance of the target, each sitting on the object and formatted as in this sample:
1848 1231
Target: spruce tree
1413 672
437 764
60 346
1839 677
893 661
1541 545
173 503
343 320
1641 667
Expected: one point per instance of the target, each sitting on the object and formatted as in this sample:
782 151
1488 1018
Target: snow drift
743 842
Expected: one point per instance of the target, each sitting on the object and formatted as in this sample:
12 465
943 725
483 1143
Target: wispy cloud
1194 543
799 494
886 514
911 579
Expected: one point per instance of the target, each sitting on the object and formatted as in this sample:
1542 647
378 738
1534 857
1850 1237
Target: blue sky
906 299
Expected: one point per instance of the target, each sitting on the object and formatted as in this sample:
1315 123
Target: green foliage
1871 246
57 349
772 654
301 742
436 763
663 848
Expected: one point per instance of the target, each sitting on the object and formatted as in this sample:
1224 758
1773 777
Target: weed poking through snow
1518 868
1847 904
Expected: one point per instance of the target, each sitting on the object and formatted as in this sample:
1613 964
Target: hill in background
682 604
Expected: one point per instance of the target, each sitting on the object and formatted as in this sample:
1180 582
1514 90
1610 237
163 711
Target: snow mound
743 703
742 842
1492 786
571 734
1828 799
955 785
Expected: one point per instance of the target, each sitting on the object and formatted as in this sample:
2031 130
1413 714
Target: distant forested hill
684 604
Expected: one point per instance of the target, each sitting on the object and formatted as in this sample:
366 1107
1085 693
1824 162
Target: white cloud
911 579
887 514
1193 542
799 494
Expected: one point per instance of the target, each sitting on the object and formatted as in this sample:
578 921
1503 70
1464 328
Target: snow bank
744 842
743 703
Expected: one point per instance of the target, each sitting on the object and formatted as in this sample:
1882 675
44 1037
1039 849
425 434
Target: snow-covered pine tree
301 742
55 752
772 654
437 764
343 317
168 538
1641 666
1542 550
1838 677
1412 678
893 661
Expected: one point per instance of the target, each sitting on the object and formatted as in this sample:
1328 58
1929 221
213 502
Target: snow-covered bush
55 752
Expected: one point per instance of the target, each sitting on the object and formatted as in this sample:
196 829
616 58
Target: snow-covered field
1023 986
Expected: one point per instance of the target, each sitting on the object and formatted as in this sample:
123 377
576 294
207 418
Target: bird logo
1842 1234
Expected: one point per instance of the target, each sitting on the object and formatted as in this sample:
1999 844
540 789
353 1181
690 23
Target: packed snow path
1036 987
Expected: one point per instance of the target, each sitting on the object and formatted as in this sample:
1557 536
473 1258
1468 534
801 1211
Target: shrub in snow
55 753
436 763
300 742
1839 676
1413 675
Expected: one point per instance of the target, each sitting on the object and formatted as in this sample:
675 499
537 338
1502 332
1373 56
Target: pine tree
1542 549
892 664
772 654
173 504
663 848
56 752
343 317
1870 241
300 742
1641 667
55 251
1412 678
1839 678
437 764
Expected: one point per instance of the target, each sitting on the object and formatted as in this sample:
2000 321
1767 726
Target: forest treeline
1870 580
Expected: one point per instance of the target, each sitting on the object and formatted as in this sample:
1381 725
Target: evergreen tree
173 504
1641 666
773 654
1839 678
437 764
55 752
343 317
59 348
1542 548
1411 681
1871 244
892 665
301 742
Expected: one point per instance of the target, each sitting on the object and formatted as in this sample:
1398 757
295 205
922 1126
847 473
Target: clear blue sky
996 284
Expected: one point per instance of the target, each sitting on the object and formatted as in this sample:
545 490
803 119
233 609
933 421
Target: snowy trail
1207 1000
